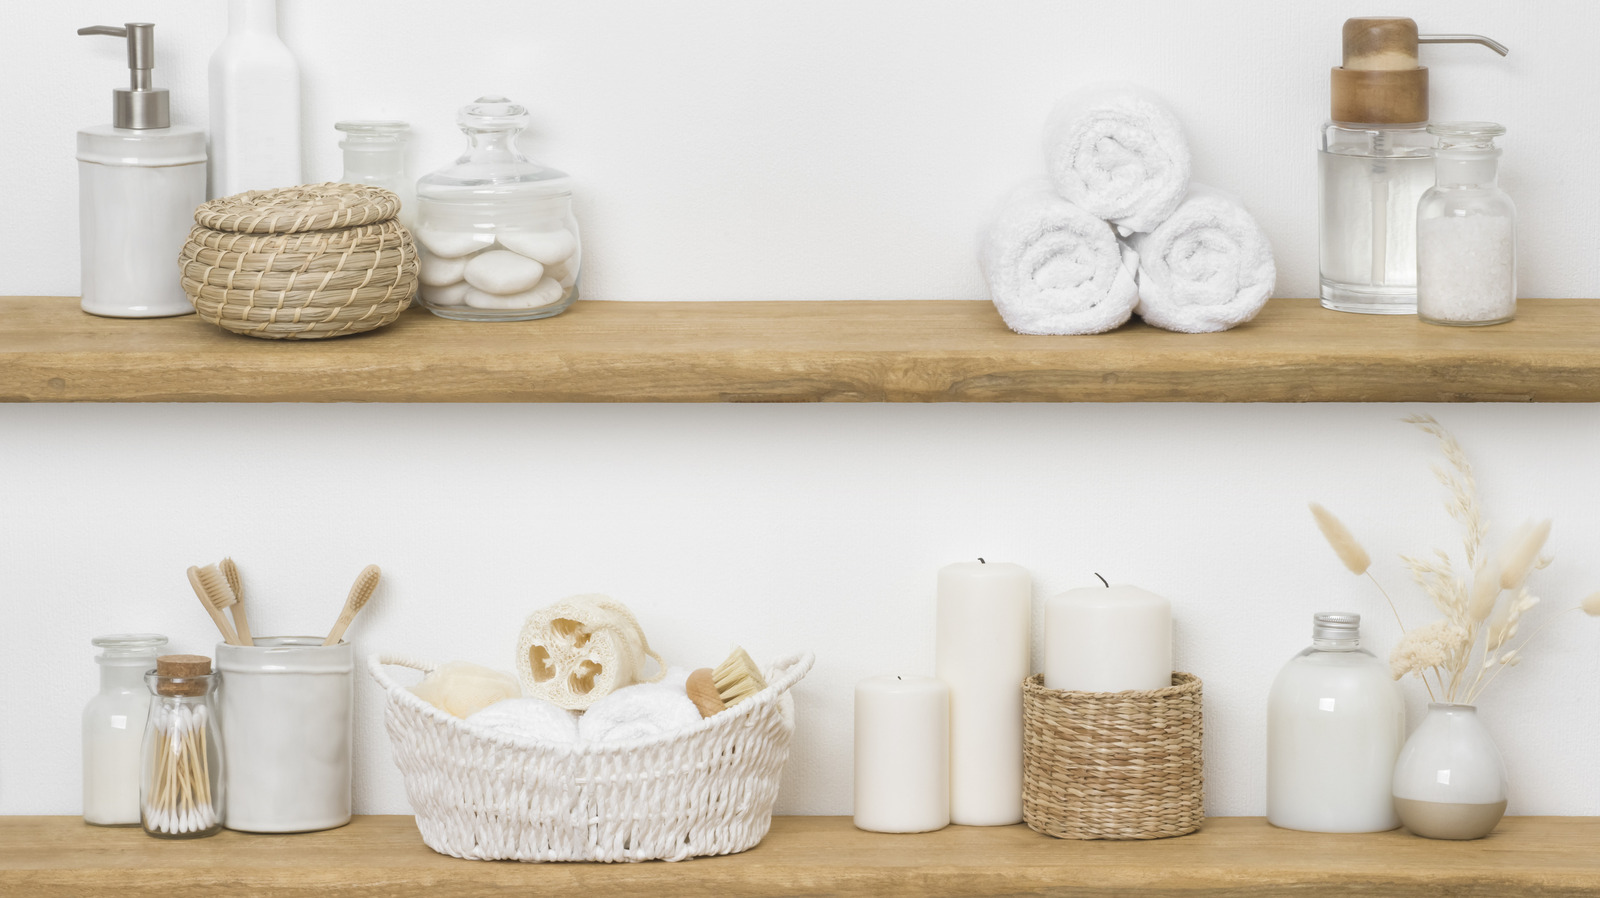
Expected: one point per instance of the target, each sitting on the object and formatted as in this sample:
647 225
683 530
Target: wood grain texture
912 351
46 857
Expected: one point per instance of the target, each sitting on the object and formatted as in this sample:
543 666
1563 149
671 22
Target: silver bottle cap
1343 625
139 106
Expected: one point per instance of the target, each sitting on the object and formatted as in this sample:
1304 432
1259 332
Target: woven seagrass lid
296 210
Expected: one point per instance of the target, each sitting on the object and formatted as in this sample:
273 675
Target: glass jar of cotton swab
180 787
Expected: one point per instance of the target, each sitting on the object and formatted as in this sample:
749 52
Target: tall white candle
1107 639
902 754
983 656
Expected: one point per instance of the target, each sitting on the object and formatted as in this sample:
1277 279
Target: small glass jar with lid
495 230
1466 231
375 154
181 785
113 728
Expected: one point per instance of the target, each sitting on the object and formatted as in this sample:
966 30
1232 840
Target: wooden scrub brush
734 680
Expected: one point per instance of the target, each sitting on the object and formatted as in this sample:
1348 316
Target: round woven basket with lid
300 263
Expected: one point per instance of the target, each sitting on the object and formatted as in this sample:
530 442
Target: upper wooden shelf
916 351
47 857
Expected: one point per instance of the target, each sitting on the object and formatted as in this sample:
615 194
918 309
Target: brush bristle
738 678
217 589
366 584
231 572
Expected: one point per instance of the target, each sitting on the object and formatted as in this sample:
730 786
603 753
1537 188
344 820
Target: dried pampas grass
1464 650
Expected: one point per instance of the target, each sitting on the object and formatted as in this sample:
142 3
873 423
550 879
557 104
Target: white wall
787 150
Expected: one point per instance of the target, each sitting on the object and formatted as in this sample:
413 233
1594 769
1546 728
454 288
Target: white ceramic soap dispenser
255 104
139 181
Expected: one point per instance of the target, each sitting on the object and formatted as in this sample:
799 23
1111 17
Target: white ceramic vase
1450 782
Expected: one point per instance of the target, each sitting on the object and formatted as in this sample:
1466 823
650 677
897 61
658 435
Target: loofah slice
295 210
580 650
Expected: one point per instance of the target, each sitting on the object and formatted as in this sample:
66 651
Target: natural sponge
580 650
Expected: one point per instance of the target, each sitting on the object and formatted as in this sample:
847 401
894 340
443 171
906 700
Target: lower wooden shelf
45 857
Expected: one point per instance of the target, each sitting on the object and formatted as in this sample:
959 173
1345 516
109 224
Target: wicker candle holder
300 263
1113 765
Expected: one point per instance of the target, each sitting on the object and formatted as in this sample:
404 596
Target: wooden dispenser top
1380 81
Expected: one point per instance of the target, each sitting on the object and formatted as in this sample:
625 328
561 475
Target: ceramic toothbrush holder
288 719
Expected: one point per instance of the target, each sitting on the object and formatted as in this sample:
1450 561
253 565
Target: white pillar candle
902 754
1107 639
983 656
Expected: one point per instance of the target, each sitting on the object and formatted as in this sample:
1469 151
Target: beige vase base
1447 820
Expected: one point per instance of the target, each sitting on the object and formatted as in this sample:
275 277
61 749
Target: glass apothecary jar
1466 231
113 728
495 230
375 154
180 785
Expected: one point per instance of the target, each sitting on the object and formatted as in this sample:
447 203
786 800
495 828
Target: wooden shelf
46 857
804 352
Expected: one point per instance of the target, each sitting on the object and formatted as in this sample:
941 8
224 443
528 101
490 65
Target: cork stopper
1380 81
184 668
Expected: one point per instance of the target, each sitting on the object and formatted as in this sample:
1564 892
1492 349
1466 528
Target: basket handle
377 660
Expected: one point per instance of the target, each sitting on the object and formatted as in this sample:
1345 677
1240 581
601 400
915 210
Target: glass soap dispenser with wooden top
1375 162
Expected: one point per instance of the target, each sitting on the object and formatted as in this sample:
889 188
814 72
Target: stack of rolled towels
1118 228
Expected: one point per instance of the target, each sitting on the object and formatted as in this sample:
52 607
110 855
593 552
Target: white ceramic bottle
255 104
139 180
113 727
1335 724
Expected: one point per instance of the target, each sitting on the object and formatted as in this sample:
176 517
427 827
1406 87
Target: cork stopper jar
182 675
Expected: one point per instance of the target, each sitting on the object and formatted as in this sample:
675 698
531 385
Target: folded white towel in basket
1118 154
529 719
639 712
1053 268
1207 268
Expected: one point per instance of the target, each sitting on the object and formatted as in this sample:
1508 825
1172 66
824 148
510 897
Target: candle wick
1103 580
981 561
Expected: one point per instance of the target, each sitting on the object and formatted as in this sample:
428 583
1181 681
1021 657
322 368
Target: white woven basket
489 796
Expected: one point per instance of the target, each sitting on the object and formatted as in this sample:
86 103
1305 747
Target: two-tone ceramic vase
1450 782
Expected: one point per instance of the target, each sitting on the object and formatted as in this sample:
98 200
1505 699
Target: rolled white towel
530 719
1119 154
1207 268
638 712
1053 268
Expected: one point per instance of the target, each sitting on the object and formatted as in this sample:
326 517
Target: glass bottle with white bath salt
113 727
495 230
1466 231
1335 724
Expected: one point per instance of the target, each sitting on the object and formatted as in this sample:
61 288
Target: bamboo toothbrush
360 592
240 624
215 594
734 680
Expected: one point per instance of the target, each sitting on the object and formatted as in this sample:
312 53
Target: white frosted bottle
255 104
1335 724
113 728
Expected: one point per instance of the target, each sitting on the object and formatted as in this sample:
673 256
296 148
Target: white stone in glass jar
495 230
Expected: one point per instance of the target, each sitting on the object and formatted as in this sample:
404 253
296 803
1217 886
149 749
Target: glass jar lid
493 169
1466 135
123 647
360 133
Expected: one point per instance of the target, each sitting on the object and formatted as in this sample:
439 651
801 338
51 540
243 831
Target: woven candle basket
481 794
301 263
1112 765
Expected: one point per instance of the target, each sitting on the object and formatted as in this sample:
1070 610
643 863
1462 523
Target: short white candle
902 754
983 655
1107 639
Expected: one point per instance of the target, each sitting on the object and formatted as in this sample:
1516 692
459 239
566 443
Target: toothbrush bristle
366 585
217 588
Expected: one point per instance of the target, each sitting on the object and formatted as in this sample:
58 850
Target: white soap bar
453 244
440 272
544 294
450 295
548 247
562 273
503 273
